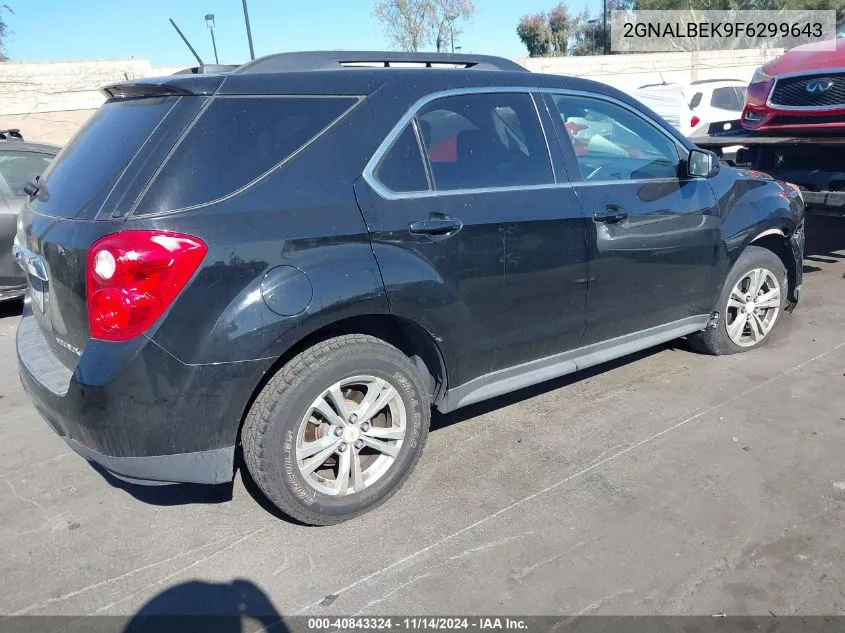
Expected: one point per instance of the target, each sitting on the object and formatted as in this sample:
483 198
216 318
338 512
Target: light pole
209 22
248 31
606 43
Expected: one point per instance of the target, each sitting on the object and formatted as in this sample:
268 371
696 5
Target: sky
52 30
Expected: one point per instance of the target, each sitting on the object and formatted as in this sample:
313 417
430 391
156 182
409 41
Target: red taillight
134 276
694 121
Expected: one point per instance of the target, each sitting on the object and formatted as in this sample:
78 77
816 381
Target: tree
406 22
445 14
589 35
546 34
562 26
535 33
4 31
412 24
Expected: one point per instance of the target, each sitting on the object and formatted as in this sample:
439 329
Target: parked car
667 100
20 162
304 256
802 90
712 101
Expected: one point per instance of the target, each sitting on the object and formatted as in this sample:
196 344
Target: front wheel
751 304
337 430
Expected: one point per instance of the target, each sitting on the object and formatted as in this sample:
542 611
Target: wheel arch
777 241
406 335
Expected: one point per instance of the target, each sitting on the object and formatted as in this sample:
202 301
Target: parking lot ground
669 482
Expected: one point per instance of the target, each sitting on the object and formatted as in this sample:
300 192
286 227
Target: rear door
653 233
478 237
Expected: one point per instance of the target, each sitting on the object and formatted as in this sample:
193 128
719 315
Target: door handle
436 226
611 214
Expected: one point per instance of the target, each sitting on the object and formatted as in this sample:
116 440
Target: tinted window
484 140
87 168
18 168
613 143
402 168
728 98
695 101
234 142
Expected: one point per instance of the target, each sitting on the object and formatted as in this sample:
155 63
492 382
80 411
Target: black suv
302 256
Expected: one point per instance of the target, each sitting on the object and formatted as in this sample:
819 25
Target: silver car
20 162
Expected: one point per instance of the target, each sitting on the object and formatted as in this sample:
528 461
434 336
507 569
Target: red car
803 89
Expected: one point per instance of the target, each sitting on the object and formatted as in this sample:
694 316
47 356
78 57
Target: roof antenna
187 43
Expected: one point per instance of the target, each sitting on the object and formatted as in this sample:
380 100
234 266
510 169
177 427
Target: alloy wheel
351 435
753 307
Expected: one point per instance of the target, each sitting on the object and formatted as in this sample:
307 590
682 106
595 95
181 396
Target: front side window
613 143
18 168
475 141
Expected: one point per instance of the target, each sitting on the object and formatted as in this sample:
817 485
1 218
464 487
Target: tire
283 427
718 340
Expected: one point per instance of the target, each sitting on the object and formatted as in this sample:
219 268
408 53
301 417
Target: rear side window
235 141
728 98
477 141
402 169
18 168
695 101
86 169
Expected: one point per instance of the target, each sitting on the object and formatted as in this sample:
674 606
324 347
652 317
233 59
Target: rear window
86 169
728 98
235 141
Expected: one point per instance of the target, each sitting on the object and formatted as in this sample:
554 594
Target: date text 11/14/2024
416 623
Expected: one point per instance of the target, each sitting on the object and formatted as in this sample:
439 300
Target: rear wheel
751 304
337 430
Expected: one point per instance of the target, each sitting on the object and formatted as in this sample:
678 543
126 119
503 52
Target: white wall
49 101
628 72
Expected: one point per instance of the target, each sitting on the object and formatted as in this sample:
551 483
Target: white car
712 101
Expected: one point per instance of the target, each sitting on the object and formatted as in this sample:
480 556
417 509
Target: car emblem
818 85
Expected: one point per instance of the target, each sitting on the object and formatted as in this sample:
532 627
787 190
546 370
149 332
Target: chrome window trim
384 147
545 137
429 179
804 73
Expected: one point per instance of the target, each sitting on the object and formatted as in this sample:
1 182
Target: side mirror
702 164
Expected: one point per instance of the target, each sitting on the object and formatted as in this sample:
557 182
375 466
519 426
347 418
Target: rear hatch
86 194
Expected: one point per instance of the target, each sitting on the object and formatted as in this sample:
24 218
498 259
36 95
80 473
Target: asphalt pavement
668 482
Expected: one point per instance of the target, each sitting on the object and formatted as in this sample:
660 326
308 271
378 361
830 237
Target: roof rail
9 134
207 69
337 60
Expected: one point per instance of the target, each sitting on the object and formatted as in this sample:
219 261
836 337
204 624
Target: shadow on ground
825 241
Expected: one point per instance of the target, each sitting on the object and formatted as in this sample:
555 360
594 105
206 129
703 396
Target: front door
479 239
653 233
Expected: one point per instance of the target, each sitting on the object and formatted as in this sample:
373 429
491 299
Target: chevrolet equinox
302 255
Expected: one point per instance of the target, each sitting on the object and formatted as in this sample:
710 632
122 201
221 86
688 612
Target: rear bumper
136 410
202 467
